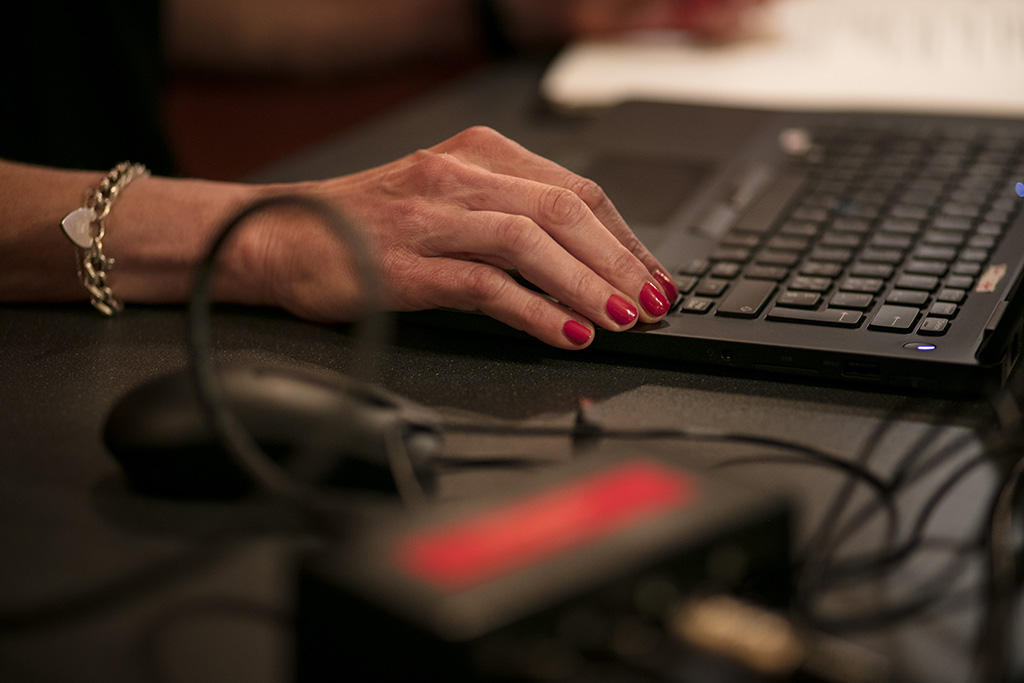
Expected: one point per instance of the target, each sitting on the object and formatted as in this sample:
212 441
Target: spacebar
829 316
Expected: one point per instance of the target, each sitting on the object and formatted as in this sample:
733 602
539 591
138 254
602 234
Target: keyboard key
746 298
951 294
829 316
900 226
892 256
798 299
990 228
851 300
943 238
959 281
909 297
925 267
890 241
894 318
925 282
943 309
919 197
847 224
865 269
730 254
787 243
697 266
955 223
778 258
685 283
813 214
966 268
757 271
747 240
982 242
978 255
933 326
845 240
799 229
961 209
908 211
811 284
696 304
821 269
726 269
1000 216
867 285
928 253
711 287
831 254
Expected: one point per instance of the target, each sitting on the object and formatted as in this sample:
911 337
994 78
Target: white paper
938 56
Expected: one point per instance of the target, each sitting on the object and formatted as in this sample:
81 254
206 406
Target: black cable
842 498
234 437
997 627
870 508
866 565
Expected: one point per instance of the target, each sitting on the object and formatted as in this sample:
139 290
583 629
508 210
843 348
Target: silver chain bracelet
84 227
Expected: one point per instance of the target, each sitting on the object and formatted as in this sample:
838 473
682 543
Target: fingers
549 233
543 261
469 286
490 150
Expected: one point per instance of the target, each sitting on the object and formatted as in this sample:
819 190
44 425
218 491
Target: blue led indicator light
1020 189
926 347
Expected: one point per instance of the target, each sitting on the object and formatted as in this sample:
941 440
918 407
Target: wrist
161 230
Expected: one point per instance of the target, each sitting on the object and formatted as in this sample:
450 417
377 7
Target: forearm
157 230
313 35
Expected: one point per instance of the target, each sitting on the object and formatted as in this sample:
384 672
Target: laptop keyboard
879 228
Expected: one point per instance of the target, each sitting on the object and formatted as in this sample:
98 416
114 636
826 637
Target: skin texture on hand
447 224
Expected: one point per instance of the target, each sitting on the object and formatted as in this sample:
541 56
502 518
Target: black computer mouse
160 436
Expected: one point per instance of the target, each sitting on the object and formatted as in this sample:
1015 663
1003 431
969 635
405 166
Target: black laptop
871 248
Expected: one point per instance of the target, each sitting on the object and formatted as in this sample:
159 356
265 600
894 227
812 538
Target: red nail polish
667 285
653 301
620 310
577 333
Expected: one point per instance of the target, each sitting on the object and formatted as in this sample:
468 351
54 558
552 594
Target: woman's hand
446 225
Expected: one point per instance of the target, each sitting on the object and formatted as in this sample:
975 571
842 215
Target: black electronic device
324 427
556 581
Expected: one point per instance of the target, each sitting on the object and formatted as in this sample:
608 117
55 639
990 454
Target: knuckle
479 136
482 284
580 285
623 261
561 206
433 170
517 235
589 191
532 312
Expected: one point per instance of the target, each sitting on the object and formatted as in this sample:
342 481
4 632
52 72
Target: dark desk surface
68 524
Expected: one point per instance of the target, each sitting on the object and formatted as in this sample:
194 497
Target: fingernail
653 301
667 285
577 333
620 310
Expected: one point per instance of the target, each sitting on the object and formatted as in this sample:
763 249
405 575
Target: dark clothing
81 85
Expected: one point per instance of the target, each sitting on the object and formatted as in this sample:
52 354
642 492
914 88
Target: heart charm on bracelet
77 225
